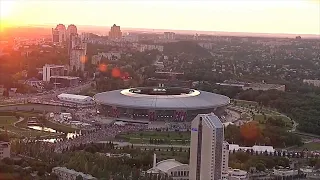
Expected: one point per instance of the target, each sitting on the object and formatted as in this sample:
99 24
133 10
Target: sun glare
6 8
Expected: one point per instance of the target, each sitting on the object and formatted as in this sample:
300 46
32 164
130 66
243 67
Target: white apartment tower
4 149
209 153
77 53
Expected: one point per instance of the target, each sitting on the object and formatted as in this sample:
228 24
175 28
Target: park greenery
300 104
91 159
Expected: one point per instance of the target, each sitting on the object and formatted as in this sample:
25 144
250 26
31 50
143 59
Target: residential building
72 29
4 149
149 47
171 168
49 70
64 81
115 32
111 56
78 57
71 33
208 151
69 174
59 34
237 174
285 173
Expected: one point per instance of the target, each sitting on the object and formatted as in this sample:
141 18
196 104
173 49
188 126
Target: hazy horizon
271 17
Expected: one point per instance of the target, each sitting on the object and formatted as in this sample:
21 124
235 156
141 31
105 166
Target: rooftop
160 98
71 171
73 96
165 165
211 120
65 77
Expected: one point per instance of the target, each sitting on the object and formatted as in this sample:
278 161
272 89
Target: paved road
48 95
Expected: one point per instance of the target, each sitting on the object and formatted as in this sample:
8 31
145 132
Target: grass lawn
310 146
8 121
159 135
180 138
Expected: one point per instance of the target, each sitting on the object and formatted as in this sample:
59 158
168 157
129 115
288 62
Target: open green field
313 146
7 123
180 138
244 103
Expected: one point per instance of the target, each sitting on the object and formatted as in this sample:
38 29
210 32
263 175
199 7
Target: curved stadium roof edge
195 100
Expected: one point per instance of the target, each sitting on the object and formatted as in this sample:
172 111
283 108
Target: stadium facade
160 104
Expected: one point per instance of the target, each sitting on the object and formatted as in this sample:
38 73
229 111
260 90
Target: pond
47 129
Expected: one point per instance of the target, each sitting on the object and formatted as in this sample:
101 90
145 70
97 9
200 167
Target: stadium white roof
195 100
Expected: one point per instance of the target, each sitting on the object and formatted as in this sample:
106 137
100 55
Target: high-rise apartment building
169 35
72 29
4 149
78 57
209 153
59 34
115 32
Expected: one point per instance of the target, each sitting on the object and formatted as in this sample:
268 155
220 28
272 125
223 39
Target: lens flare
102 67
116 72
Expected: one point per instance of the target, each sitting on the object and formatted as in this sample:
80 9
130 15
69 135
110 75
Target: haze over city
294 17
159 90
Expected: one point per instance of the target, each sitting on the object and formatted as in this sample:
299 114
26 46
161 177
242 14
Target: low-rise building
312 82
237 174
170 167
285 173
49 70
74 98
255 148
64 173
4 149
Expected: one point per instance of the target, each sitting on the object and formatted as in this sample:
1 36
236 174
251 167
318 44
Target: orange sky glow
265 16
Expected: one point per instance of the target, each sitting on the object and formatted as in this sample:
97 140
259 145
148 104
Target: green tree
79 177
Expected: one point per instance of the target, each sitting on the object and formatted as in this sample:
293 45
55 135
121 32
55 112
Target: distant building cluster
148 47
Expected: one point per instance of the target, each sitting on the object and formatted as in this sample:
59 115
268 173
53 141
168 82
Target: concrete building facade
4 149
208 151
49 70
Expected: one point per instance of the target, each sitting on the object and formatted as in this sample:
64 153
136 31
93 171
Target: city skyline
296 17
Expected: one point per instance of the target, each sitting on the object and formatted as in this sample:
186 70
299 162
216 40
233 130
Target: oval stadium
159 104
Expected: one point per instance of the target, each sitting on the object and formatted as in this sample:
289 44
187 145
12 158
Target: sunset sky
269 16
